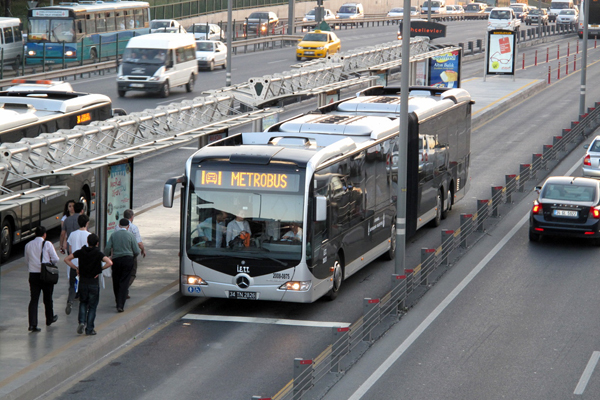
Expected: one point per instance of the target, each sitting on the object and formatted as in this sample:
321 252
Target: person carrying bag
49 271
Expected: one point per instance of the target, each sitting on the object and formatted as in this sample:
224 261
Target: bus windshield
51 30
262 220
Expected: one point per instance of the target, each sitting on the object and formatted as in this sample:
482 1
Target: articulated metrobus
289 213
26 111
86 30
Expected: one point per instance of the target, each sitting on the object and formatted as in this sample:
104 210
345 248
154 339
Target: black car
261 22
566 206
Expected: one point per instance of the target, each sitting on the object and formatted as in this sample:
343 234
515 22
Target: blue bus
88 30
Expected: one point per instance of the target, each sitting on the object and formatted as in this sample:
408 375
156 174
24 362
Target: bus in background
289 213
86 31
593 29
27 110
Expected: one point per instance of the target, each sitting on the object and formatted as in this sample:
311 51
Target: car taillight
537 208
595 212
587 161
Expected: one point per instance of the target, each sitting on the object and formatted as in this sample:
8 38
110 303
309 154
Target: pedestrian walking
33 250
122 247
68 211
129 214
69 226
89 267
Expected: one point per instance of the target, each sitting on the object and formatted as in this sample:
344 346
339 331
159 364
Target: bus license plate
565 213
242 295
137 85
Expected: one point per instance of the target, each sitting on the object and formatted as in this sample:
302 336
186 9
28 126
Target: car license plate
309 53
233 294
137 85
565 213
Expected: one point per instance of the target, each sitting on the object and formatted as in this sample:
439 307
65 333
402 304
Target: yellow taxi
318 44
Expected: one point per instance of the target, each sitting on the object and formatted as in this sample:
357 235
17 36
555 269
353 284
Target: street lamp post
229 43
586 14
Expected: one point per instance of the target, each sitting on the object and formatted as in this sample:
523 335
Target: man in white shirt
33 251
295 233
77 239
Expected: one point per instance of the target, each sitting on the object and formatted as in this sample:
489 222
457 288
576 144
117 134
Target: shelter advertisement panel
444 70
501 55
119 195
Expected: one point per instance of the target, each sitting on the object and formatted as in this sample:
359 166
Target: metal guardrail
313 377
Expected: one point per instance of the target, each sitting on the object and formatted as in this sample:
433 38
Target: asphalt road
513 311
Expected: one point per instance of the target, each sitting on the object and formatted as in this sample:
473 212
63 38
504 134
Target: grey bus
289 213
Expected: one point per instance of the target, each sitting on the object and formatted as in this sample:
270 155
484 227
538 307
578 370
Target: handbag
49 271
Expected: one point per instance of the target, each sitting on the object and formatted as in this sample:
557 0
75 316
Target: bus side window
100 23
90 24
129 21
110 22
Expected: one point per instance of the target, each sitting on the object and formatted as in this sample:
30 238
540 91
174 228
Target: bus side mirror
169 190
320 208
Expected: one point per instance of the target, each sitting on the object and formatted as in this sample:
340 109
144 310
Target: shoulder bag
49 271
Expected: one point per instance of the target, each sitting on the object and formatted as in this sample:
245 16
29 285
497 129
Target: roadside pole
229 43
586 13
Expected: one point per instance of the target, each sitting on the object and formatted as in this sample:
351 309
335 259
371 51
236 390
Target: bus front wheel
338 277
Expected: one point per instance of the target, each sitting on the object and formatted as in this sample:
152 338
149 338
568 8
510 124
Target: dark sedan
566 206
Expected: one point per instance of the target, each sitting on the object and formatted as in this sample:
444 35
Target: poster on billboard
501 54
444 70
119 195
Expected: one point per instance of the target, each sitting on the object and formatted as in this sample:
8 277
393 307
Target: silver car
568 16
591 161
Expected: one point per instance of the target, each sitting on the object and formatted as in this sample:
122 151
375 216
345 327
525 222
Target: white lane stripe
277 61
364 388
270 321
188 148
587 373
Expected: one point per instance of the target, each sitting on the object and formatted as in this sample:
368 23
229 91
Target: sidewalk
33 363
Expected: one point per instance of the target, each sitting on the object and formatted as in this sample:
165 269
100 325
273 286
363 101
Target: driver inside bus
238 228
205 229
294 234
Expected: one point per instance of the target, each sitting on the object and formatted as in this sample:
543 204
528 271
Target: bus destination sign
273 181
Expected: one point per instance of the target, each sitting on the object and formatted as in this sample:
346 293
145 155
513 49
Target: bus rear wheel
94 56
6 240
391 253
338 278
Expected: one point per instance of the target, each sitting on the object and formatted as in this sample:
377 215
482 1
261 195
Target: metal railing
312 377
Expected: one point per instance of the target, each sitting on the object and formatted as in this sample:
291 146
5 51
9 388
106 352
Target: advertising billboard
444 70
501 57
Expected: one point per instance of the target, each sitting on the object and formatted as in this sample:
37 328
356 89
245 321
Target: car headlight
304 19
320 48
297 286
300 47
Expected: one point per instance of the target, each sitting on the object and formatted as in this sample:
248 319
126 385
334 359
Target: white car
210 53
206 31
165 25
567 16
310 16
399 12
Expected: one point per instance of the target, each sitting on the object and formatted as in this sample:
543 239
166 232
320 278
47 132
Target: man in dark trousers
89 269
69 226
123 247
33 251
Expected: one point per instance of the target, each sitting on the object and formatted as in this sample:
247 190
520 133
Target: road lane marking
270 321
278 61
587 373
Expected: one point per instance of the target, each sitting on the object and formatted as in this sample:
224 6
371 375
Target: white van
557 6
11 39
157 62
351 11
437 7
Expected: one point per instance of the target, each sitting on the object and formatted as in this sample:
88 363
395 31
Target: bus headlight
298 286
194 280
70 53
31 53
